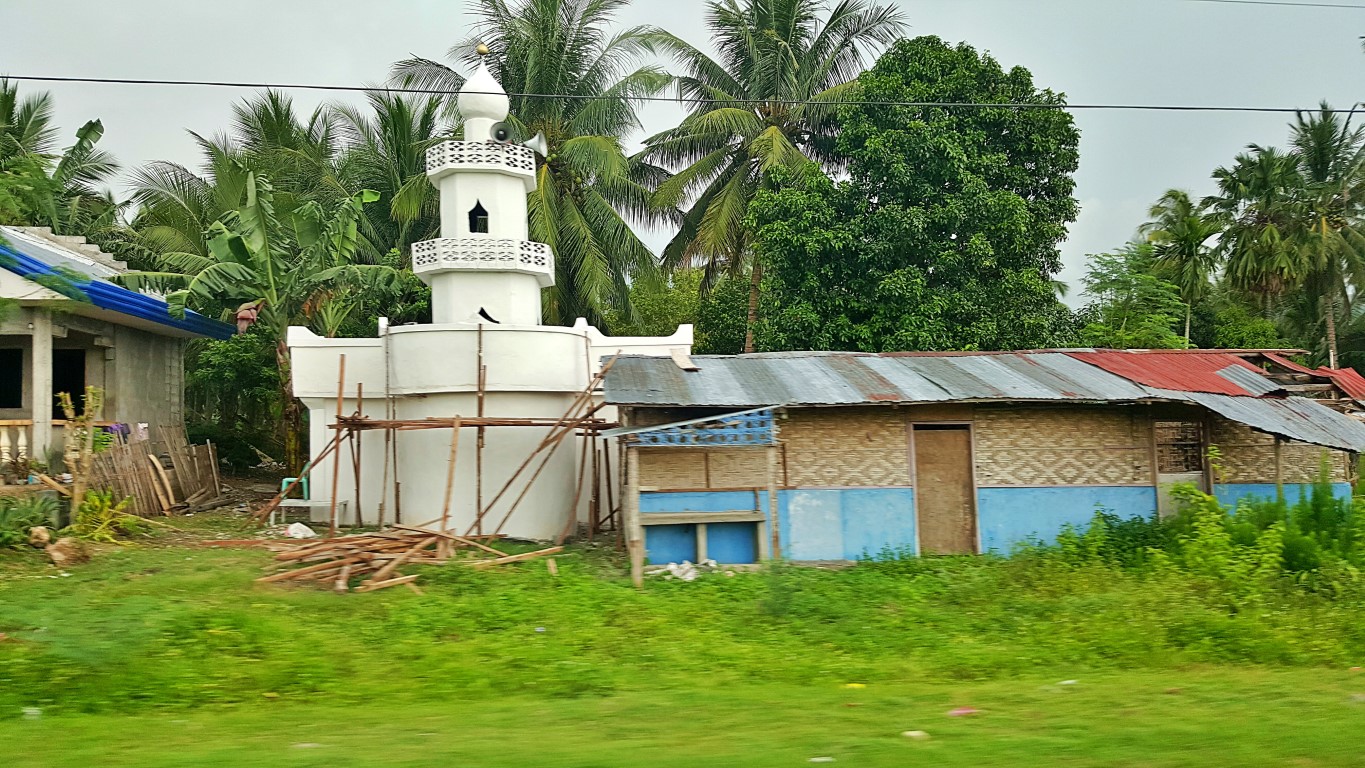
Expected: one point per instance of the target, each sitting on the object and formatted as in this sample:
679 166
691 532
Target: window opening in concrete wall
11 378
68 375
478 218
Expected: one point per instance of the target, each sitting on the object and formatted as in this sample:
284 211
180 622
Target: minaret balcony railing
451 156
487 254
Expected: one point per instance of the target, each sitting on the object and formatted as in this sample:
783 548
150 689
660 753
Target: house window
478 218
11 378
1179 447
68 375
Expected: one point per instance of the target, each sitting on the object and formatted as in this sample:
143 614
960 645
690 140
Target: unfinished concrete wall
144 377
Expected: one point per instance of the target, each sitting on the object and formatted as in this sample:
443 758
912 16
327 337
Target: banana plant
293 274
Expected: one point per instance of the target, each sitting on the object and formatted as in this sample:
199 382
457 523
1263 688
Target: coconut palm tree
764 102
1183 237
1331 159
57 190
1293 219
572 80
384 149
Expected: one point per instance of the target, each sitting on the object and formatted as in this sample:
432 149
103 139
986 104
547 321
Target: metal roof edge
115 298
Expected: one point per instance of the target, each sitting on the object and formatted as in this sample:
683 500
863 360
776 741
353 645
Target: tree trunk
1189 310
1331 319
293 415
755 278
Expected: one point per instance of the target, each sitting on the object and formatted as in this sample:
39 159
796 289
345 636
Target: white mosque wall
507 297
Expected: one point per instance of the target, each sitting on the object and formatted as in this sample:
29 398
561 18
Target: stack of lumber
378 556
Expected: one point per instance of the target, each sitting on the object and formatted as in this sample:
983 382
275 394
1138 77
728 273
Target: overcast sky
1094 51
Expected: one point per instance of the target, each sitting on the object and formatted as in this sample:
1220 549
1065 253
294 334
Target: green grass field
167 654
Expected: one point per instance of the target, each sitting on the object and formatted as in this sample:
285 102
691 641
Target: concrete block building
66 326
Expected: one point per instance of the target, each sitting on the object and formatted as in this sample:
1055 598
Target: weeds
18 515
99 518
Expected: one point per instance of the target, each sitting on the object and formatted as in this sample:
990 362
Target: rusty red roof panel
1182 371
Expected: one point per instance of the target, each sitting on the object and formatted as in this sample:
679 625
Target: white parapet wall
433 371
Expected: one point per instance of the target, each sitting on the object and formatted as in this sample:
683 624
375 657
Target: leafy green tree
1131 307
42 187
384 149
579 84
292 272
660 307
1183 235
945 234
1291 223
763 102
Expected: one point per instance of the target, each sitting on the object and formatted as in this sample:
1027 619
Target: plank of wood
342 581
551 566
692 518
300 572
54 485
452 537
160 490
514 558
416 589
376 585
397 561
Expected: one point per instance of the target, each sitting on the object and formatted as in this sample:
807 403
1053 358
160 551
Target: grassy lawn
167 654
1243 718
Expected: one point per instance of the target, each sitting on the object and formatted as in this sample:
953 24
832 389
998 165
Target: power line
1283 3
682 100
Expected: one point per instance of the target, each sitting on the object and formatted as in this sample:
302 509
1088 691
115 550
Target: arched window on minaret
478 218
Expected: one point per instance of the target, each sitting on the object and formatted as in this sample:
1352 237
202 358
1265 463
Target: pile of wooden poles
378 556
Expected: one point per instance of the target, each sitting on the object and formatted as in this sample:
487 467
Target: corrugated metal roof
106 295
850 378
853 379
1184 371
1252 381
1297 418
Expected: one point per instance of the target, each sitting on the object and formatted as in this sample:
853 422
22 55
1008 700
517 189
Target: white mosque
486 280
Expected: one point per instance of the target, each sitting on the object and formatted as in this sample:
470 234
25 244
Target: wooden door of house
1179 459
945 503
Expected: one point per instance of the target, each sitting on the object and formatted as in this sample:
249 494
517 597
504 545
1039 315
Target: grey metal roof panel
853 379
1296 418
1249 380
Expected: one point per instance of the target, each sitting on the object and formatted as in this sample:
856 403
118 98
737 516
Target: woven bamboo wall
1249 456
857 447
699 468
1072 446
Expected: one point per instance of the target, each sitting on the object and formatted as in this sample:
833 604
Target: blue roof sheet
114 298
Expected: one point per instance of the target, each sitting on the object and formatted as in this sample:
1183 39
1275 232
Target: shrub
18 515
99 518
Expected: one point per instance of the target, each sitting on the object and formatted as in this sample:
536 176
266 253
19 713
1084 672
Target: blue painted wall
671 543
705 501
1231 493
845 523
1007 516
732 542
725 542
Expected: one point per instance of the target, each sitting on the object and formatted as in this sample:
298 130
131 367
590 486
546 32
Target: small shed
959 453
69 326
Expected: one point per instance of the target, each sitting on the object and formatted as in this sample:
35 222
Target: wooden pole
635 541
332 444
336 455
482 375
577 494
450 474
772 503
357 451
